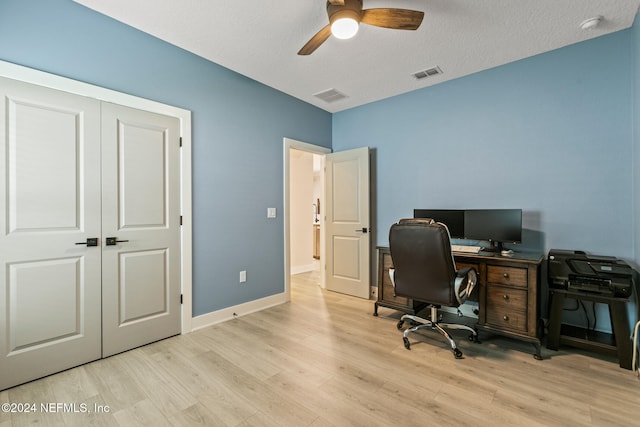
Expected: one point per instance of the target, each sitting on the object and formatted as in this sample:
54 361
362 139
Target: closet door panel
50 286
141 211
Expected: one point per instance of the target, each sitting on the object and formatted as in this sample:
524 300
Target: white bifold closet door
141 212
90 230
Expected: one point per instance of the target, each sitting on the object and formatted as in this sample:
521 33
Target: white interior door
141 212
50 202
347 229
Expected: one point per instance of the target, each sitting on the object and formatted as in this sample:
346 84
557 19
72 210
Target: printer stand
615 344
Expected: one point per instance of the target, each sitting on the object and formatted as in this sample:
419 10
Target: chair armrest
464 271
466 279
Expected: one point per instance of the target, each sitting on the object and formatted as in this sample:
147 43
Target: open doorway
303 209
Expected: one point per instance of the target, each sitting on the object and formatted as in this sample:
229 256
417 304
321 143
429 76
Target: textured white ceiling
260 39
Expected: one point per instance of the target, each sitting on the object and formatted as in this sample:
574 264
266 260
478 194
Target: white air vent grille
330 95
429 72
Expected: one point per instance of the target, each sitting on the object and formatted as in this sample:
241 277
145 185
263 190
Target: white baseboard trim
239 310
297 269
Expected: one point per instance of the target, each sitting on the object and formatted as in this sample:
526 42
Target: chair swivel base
438 326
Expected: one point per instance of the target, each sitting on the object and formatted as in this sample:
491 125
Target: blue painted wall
549 134
552 134
238 126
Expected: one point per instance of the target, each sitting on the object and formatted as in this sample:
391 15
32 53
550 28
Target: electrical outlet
243 276
374 292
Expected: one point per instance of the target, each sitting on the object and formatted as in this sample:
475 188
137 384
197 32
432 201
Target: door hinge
180 141
180 219
180 298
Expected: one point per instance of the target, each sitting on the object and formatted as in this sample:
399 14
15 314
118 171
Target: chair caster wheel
457 353
474 338
400 324
407 345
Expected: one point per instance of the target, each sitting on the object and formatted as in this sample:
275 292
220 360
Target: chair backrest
423 262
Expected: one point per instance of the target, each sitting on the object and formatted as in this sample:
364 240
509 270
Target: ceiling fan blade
397 19
315 42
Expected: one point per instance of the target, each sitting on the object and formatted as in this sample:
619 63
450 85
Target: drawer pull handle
505 318
506 275
505 297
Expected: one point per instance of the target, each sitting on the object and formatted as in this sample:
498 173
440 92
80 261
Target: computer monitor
452 218
495 225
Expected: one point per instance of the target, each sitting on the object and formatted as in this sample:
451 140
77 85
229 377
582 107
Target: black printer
577 271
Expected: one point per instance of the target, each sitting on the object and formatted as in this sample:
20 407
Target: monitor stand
494 246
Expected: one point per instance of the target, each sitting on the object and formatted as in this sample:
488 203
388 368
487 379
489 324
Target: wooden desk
508 293
616 344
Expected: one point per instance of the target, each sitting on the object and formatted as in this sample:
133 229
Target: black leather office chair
424 270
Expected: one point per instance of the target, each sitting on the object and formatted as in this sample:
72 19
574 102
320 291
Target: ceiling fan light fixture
345 21
345 17
344 28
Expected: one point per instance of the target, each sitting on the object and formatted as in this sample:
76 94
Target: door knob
362 230
91 241
112 241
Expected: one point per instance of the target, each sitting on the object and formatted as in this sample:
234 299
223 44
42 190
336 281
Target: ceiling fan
345 17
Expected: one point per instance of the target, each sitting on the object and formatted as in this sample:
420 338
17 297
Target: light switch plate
271 212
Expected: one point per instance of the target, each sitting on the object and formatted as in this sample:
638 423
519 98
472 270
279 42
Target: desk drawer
506 318
512 276
507 307
507 298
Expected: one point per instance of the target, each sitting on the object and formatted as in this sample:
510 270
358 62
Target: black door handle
112 241
91 241
362 230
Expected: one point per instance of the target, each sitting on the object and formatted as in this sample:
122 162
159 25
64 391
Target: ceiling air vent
330 95
429 72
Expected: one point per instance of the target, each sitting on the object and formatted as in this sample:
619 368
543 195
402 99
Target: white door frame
52 81
289 144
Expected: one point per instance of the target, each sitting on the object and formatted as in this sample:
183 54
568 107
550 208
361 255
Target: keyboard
466 249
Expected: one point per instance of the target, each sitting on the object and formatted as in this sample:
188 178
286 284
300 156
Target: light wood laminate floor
324 360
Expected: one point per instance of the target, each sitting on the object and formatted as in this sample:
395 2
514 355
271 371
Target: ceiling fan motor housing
345 16
351 9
